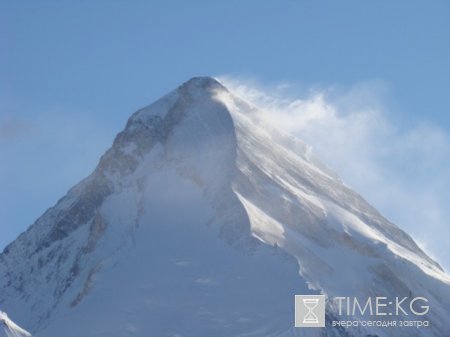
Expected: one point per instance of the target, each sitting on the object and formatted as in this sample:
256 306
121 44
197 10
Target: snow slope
203 221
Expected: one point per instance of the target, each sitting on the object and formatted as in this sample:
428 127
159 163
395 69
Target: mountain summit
202 220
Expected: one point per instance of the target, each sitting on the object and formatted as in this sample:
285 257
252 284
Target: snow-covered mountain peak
196 195
204 83
195 89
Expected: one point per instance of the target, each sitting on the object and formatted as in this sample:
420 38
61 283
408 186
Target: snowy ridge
11 329
191 217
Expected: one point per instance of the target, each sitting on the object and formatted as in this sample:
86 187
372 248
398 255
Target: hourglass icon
310 304
309 311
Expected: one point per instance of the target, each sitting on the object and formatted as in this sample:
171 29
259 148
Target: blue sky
71 73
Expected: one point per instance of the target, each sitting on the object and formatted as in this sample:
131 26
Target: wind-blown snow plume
398 168
10 328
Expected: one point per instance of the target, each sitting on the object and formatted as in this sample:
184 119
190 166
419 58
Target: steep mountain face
201 220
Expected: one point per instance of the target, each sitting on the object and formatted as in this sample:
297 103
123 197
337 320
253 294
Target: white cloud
404 171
